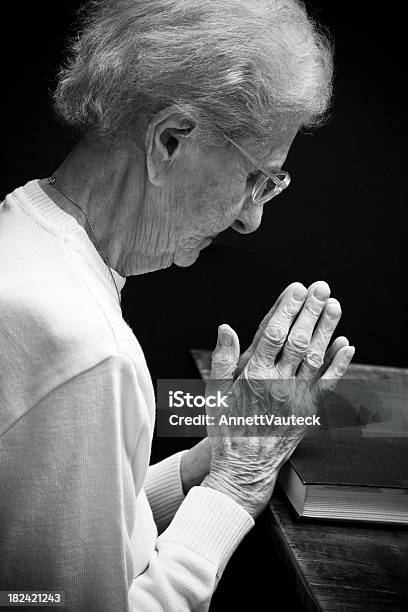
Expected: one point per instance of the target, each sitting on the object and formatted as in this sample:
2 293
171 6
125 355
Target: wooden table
337 566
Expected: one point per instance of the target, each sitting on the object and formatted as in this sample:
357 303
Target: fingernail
350 351
225 337
300 293
333 310
321 292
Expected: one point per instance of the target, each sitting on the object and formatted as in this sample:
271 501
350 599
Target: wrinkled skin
285 370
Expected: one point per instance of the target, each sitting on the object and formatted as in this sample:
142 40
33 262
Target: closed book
344 476
355 467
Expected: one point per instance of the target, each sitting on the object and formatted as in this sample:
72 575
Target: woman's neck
108 185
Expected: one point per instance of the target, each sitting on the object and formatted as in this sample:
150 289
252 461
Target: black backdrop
341 220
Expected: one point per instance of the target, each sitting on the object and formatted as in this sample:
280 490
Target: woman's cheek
215 206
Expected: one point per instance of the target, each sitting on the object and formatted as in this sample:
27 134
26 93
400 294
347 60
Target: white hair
240 67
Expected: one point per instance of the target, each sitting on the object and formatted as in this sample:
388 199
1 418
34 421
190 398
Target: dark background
341 220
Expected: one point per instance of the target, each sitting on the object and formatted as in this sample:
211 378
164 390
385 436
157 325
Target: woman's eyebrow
274 167
268 161
272 163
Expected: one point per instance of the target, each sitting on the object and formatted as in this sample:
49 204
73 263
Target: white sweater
77 412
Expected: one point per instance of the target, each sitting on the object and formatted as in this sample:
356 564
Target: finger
267 317
336 369
226 353
277 328
327 323
300 336
245 357
223 362
335 346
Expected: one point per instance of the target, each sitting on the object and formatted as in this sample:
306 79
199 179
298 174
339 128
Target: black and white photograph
203 307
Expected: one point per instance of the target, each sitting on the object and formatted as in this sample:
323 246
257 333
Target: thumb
226 354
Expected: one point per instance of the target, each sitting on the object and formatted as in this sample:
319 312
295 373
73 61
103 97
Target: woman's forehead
272 155
270 152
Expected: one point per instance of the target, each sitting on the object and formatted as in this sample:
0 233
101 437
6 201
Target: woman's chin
183 259
186 257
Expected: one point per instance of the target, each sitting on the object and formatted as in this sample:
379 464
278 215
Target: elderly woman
186 111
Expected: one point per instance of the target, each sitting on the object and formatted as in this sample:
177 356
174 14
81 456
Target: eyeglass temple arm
271 176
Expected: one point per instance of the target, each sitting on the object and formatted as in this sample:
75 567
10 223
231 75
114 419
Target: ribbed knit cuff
164 489
209 523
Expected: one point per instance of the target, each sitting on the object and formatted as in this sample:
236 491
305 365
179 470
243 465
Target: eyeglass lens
265 187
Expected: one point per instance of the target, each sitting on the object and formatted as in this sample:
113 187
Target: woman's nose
249 219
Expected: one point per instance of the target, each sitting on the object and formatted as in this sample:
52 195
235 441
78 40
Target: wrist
253 500
222 485
195 465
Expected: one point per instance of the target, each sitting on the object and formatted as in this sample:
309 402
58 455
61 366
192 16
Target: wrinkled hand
287 366
339 343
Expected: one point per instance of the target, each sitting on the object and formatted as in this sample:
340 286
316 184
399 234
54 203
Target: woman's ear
164 141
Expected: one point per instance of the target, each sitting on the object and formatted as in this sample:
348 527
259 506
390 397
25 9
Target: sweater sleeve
191 554
164 490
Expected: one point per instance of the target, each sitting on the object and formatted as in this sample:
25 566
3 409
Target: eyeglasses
268 184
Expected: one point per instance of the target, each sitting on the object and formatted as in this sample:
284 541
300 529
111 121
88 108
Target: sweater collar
60 222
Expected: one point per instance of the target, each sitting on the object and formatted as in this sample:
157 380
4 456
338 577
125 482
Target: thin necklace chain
52 182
